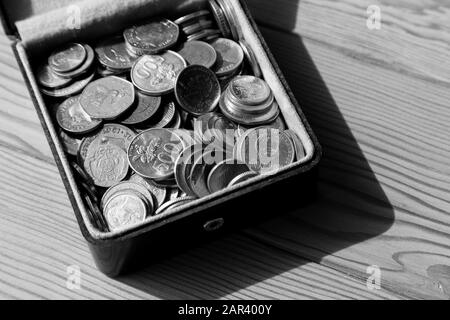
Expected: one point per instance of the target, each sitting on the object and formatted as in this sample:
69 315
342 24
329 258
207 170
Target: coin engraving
72 118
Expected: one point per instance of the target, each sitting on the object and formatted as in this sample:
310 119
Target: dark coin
67 58
72 118
156 74
107 98
95 215
223 173
146 107
90 57
113 54
229 56
164 116
300 153
153 153
198 53
116 134
153 37
197 90
106 164
74 88
49 79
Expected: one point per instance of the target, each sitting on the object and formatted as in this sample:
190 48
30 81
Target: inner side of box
287 109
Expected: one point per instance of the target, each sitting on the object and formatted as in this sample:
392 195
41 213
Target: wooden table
379 101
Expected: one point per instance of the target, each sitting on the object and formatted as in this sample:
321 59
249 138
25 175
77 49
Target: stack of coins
249 101
151 121
198 25
68 70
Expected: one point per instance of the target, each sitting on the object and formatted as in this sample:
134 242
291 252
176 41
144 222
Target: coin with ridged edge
128 186
72 89
145 108
156 74
157 35
49 79
85 67
124 211
192 16
197 90
158 193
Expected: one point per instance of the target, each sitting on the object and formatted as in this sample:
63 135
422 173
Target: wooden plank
39 237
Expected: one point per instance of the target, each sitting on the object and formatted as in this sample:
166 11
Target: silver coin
152 154
116 134
174 204
69 143
229 56
250 90
159 194
220 17
49 79
156 74
127 187
229 16
204 34
153 37
113 54
197 27
243 178
72 89
201 169
266 150
95 215
197 90
251 58
192 16
165 117
72 118
198 53
90 57
183 165
145 108
106 164
298 145
67 58
223 173
176 123
124 211
107 98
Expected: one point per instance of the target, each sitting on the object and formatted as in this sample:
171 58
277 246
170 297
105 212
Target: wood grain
378 100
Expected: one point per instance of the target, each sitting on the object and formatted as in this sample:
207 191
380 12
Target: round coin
72 118
70 144
266 150
201 170
106 164
127 187
250 90
90 57
176 203
156 74
198 26
113 54
251 58
153 37
299 149
183 166
165 116
198 53
67 58
124 211
223 173
49 79
229 56
72 89
107 98
146 107
229 16
159 194
203 35
197 90
116 134
153 153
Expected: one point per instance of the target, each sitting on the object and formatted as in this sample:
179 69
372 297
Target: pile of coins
164 114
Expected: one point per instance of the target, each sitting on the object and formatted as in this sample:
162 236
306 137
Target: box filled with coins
170 121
